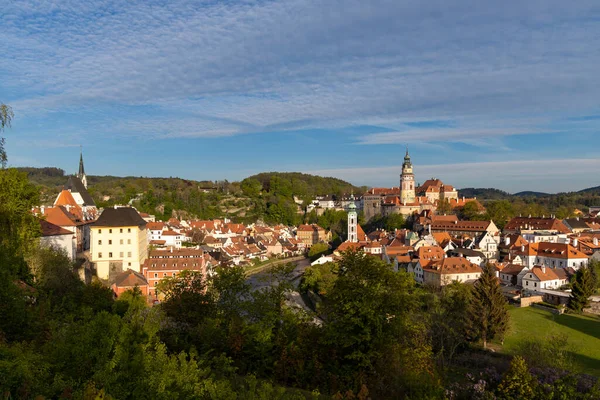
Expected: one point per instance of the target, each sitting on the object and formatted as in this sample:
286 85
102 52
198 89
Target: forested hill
268 196
303 185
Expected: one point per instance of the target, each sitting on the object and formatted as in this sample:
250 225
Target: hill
484 193
268 195
531 194
593 190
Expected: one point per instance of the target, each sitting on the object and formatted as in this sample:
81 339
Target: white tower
407 181
352 221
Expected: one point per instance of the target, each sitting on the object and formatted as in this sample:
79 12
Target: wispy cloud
431 73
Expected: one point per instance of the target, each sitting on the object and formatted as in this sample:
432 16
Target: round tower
352 221
407 181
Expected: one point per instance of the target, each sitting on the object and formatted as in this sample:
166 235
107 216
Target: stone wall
527 301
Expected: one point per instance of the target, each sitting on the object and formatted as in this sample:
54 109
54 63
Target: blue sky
486 94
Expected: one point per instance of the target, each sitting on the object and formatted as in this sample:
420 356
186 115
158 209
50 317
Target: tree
471 212
394 221
6 117
449 316
488 316
317 250
517 383
583 287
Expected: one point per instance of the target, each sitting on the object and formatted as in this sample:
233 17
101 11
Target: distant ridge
531 194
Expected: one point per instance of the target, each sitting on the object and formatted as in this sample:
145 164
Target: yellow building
118 242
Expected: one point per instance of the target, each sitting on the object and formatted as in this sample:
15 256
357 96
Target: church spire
81 173
81 169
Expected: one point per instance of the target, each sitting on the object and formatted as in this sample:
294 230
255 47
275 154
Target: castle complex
408 199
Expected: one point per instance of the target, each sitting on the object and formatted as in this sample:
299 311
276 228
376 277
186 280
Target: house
459 228
554 255
529 225
312 234
128 280
68 218
118 241
488 245
59 238
509 274
473 256
155 230
172 238
452 269
169 263
273 247
576 225
541 277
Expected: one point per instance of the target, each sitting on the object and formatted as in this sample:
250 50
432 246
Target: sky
484 94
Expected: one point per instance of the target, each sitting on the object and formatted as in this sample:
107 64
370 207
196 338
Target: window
129 264
121 254
526 283
128 241
109 255
100 255
535 284
99 242
121 241
121 230
99 230
155 275
128 254
128 230
110 231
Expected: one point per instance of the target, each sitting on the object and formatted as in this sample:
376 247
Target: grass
583 332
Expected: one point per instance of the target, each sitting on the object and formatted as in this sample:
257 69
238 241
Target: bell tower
407 181
352 221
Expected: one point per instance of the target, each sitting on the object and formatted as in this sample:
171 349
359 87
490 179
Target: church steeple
352 221
407 180
81 173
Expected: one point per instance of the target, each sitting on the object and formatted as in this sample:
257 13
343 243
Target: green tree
517 383
471 212
488 314
319 278
583 286
251 187
449 315
6 117
394 221
317 250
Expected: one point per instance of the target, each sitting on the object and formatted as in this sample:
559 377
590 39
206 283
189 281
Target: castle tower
352 221
81 173
407 181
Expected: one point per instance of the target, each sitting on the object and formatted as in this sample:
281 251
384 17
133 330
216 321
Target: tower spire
81 173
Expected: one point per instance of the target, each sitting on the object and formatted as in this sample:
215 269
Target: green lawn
583 333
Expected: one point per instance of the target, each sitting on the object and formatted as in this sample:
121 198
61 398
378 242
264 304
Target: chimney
507 241
575 242
171 249
42 209
523 248
543 269
595 241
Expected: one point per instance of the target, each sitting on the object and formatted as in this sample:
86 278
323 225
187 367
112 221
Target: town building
312 234
118 242
58 238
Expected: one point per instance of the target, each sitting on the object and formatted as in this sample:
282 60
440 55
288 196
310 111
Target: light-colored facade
407 181
352 222
117 246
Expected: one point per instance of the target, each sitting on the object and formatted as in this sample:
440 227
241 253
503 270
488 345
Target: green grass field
583 333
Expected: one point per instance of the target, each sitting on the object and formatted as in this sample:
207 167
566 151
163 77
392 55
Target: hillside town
534 256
